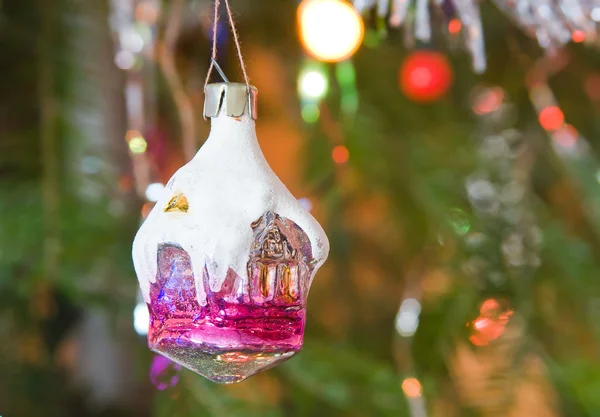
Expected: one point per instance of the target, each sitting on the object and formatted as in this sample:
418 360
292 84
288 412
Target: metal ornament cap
232 99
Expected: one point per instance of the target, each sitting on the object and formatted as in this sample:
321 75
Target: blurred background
448 147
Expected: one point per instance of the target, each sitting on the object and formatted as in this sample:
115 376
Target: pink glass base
230 349
248 325
236 334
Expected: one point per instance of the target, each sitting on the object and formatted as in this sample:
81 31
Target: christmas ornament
425 76
552 22
226 257
330 30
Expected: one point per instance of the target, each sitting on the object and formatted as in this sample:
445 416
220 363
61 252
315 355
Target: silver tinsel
552 22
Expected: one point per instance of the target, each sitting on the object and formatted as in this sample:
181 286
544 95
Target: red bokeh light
551 118
490 324
340 154
425 76
454 26
578 36
489 307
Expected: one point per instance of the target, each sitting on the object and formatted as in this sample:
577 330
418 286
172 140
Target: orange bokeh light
490 324
340 154
330 30
578 36
411 387
551 118
454 26
146 12
488 307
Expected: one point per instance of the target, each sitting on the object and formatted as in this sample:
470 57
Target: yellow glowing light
312 84
331 30
137 143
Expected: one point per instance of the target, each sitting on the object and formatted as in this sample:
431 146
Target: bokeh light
551 118
146 12
124 59
487 100
411 387
565 138
490 324
489 307
155 191
306 203
407 319
454 26
578 36
340 154
310 113
164 373
425 76
137 143
141 319
330 30
312 84
131 41
459 221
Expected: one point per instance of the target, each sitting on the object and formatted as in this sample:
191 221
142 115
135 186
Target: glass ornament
226 258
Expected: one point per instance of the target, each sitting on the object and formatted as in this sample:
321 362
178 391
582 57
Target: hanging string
235 38
214 45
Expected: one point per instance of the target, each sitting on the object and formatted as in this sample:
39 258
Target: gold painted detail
265 286
286 282
178 202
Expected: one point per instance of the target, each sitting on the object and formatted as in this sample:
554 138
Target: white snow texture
228 185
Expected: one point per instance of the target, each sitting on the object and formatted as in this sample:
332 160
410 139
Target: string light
330 30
